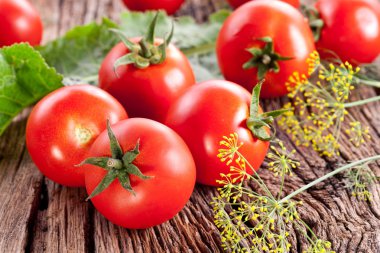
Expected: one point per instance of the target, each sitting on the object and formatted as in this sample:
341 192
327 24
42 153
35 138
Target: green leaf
130 156
80 52
125 182
116 150
134 170
96 161
106 181
24 79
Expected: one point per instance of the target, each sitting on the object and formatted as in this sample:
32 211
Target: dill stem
331 174
361 102
372 83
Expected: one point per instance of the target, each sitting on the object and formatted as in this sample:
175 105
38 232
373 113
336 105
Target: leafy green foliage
24 79
79 53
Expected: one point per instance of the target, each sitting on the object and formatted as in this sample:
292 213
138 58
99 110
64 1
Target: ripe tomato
170 6
264 39
237 3
19 22
62 127
130 201
207 112
351 29
148 92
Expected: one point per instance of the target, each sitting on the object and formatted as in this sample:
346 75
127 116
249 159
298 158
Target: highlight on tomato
237 3
170 6
139 173
213 109
146 74
264 40
19 22
350 29
62 127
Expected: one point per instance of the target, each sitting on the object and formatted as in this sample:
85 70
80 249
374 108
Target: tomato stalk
315 22
144 53
119 166
264 59
259 122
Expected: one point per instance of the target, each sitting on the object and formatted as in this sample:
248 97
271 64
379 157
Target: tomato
134 202
170 6
147 92
62 127
237 3
19 22
351 29
207 112
264 40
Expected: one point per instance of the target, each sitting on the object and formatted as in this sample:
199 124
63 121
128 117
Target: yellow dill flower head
320 246
358 134
318 107
313 62
359 179
232 146
281 160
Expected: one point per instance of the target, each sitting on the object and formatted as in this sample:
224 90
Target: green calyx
264 59
119 166
257 122
315 22
144 53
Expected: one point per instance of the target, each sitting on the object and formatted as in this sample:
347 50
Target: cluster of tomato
141 171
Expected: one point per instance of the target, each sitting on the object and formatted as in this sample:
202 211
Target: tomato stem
145 52
259 122
331 174
119 166
264 59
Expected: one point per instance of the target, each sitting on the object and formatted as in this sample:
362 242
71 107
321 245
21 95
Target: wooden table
37 215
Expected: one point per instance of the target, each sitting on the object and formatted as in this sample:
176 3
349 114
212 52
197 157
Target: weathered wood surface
37 215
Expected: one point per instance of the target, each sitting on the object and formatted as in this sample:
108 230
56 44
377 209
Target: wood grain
37 215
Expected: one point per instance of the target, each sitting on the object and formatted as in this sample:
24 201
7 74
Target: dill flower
359 133
231 147
360 178
281 161
320 106
250 221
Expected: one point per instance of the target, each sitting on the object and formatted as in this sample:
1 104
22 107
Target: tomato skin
207 112
351 29
237 3
149 92
19 22
291 35
170 6
57 123
164 156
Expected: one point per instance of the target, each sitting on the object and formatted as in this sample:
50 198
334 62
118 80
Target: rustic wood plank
20 185
51 218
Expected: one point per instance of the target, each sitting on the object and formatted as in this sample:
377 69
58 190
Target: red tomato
207 112
351 29
19 22
170 6
245 28
62 127
149 92
237 3
163 155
